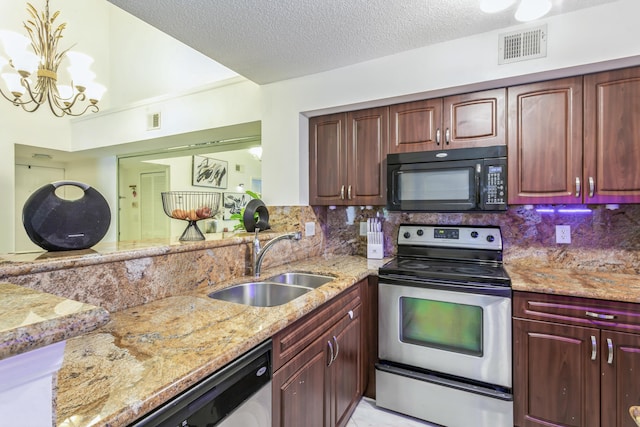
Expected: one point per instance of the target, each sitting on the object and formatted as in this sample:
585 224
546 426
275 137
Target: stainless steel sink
301 279
260 294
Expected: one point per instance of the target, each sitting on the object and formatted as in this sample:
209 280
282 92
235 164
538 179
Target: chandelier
32 79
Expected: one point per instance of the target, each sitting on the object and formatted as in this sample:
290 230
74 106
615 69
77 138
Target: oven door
462 334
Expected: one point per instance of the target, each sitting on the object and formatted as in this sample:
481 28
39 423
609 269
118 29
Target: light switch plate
309 228
563 234
363 228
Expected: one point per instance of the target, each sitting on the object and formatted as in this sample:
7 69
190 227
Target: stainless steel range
445 327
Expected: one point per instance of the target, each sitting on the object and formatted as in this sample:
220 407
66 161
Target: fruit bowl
191 206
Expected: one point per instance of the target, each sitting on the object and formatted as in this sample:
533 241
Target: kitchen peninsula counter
148 354
32 319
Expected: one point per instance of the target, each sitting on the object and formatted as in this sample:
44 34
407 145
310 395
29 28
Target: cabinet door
475 119
556 381
327 159
620 361
346 371
299 389
612 137
415 126
366 166
545 142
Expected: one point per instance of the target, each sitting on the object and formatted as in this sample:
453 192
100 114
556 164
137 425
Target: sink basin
260 294
301 279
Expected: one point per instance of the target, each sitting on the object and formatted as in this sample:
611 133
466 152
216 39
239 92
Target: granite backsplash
602 239
124 275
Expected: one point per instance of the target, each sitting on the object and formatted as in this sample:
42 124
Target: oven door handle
470 287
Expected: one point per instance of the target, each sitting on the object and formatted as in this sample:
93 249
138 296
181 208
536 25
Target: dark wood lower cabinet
576 361
318 364
555 382
620 377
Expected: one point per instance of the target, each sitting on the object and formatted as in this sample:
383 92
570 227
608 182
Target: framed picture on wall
208 172
234 203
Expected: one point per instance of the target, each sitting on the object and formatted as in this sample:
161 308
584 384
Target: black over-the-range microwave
458 180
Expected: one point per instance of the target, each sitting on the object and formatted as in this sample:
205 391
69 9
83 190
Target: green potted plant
240 216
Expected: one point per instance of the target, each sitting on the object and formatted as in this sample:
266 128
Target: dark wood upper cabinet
545 142
575 140
327 159
415 126
347 153
469 120
475 119
612 136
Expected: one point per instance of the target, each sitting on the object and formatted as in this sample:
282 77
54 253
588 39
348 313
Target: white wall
590 36
132 59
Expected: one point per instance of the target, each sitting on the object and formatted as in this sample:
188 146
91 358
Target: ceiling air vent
153 121
523 45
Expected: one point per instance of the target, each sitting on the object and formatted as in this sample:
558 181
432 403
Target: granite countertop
574 282
147 354
31 319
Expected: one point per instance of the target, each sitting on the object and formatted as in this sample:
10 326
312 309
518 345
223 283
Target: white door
154 223
28 180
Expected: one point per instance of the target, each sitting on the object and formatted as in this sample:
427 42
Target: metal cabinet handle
447 136
610 347
350 314
594 348
438 136
577 186
592 186
600 315
337 347
342 192
349 192
331 357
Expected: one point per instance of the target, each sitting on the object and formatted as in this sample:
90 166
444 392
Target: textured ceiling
272 40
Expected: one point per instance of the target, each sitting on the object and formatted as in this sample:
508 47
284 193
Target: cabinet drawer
611 315
293 339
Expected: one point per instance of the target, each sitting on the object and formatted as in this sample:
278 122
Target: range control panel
459 236
496 193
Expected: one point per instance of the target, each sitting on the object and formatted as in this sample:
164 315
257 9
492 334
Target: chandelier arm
19 103
25 83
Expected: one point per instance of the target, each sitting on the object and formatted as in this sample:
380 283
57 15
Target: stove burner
462 257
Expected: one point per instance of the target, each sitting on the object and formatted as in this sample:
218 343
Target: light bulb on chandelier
32 79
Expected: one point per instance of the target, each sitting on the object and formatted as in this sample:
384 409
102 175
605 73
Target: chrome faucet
258 253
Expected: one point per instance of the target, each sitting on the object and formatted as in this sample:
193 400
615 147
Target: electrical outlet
563 234
309 229
363 228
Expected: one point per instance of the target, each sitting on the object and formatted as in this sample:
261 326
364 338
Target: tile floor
367 414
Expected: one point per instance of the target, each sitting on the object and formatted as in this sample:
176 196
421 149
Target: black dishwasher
214 399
